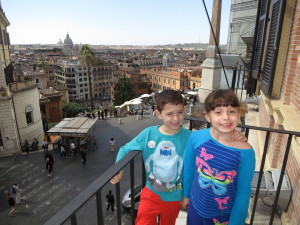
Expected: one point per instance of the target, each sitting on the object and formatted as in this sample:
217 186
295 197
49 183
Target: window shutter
1 39
278 7
259 38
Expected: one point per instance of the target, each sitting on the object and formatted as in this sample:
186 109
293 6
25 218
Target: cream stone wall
29 97
8 127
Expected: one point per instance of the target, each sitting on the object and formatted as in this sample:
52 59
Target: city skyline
113 22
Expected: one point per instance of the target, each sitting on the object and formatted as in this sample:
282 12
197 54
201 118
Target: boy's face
224 119
172 117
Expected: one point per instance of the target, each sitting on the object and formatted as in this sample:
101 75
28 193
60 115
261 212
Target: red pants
151 206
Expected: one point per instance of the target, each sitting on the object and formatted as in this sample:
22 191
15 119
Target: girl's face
224 119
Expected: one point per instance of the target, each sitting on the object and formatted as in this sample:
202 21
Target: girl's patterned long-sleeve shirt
216 178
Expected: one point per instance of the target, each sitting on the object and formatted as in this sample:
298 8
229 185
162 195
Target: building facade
242 26
19 102
275 76
166 79
74 76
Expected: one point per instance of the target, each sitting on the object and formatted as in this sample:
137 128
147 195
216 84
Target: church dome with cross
68 43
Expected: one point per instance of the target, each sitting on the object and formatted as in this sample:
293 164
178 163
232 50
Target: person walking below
72 149
112 144
98 115
94 141
26 146
110 202
45 145
63 151
102 114
15 190
49 166
12 203
83 155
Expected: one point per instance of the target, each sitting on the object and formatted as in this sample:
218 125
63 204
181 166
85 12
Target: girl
218 171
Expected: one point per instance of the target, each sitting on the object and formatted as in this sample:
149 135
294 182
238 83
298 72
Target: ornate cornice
244 6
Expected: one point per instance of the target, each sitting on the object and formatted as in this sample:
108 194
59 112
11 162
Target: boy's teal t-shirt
163 158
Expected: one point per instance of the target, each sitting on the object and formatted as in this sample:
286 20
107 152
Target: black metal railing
68 212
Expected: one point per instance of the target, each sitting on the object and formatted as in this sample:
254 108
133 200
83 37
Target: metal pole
262 165
233 79
99 207
132 192
118 203
286 155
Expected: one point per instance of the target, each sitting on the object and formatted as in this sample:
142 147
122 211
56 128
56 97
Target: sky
112 22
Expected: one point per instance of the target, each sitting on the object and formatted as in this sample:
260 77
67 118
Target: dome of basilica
68 41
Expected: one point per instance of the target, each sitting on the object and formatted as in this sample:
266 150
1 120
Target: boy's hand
238 136
185 203
117 178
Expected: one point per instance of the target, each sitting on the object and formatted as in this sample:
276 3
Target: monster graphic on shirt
164 167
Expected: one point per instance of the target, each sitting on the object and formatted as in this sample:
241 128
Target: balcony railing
68 212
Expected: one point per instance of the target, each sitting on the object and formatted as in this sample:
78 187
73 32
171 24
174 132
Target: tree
123 91
87 57
72 109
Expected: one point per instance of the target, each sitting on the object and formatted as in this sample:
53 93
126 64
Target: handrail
69 210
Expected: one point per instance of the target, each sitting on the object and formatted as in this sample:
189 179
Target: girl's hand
117 178
238 136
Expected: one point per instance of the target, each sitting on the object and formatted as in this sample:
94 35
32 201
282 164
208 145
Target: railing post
262 165
286 155
132 192
73 219
191 125
118 203
143 173
99 207
233 79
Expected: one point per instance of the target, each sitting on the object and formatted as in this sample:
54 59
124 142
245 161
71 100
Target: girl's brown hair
221 97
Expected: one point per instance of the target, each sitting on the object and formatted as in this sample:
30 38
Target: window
28 114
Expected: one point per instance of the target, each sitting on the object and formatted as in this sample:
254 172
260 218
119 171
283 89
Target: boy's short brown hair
221 97
168 96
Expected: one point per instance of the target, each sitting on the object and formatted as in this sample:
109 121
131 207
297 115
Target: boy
218 171
163 149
